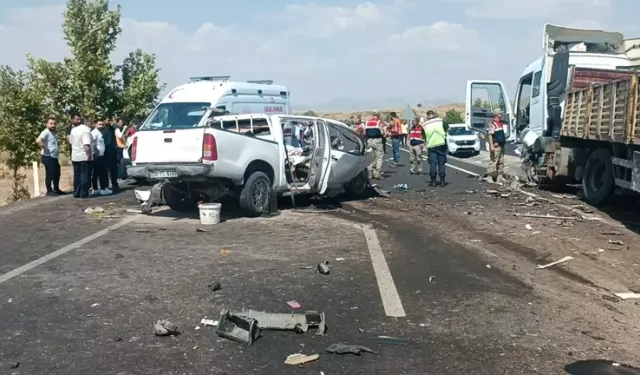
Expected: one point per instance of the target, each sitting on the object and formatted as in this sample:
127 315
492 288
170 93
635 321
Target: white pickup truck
249 156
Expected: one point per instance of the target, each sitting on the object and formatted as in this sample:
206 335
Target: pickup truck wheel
357 188
178 201
255 194
597 178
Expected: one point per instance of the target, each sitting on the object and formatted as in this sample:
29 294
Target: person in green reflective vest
435 132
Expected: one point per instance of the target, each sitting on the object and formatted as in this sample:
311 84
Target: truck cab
542 85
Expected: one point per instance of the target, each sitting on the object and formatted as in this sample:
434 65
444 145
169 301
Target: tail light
209 148
134 149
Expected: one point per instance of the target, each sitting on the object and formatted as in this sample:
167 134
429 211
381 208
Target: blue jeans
437 162
395 148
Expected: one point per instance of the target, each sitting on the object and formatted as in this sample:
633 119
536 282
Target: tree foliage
478 102
85 83
453 116
309 113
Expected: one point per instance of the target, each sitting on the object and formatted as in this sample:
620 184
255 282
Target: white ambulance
185 106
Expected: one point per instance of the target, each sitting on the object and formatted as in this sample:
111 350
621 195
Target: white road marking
449 165
388 292
22 269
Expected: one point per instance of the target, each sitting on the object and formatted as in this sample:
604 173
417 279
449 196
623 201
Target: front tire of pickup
178 201
597 179
255 194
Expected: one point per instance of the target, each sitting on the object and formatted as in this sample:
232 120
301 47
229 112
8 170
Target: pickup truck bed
603 106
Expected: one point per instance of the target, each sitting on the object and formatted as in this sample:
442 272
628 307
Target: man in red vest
416 142
374 131
497 141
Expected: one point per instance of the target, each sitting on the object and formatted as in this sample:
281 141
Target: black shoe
432 183
60 192
51 194
442 183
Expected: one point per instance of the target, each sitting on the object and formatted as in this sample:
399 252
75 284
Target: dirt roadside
579 293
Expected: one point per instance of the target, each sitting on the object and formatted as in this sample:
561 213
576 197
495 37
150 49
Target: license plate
163 174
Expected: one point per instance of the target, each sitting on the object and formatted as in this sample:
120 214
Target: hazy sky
326 50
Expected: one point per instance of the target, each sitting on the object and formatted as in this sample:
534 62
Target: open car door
321 164
483 97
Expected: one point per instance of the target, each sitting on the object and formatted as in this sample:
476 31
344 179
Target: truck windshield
175 116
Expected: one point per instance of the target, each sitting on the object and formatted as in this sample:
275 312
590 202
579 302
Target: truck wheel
255 194
357 187
597 178
178 201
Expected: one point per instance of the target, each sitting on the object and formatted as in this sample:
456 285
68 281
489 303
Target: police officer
436 135
375 132
416 142
497 141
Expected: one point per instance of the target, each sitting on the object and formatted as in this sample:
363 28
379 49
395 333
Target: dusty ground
474 303
66 181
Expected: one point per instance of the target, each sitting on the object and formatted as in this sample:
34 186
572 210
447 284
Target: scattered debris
564 196
401 187
201 230
339 259
95 305
94 210
627 295
609 298
340 348
299 323
471 191
585 209
565 259
299 359
224 252
238 328
165 328
546 216
14 366
431 278
488 266
294 305
392 340
209 322
323 268
142 195
142 230
306 267
380 192
505 195
133 211
214 286
529 227
611 233
616 242
117 339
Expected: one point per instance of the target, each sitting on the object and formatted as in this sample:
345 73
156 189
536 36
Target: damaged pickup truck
253 157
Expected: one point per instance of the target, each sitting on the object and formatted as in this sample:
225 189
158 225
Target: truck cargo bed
599 110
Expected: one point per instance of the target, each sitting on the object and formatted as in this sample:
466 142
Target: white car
248 156
461 139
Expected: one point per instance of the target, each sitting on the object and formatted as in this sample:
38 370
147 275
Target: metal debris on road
297 322
627 295
381 193
528 226
306 267
165 328
565 259
142 230
201 230
341 348
323 268
401 187
547 216
209 322
431 278
94 210
392 340
339 259
616 242
238 328
294 305
14 366
299 359
214 286
133 211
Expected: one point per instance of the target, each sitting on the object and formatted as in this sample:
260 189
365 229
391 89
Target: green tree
140 85
453 116
477 102
309 113
21 120
91 30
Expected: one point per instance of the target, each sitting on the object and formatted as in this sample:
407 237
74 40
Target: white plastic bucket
209 213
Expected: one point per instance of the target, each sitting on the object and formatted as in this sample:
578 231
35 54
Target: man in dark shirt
111 154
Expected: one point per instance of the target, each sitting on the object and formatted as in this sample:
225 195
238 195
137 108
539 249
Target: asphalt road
80 293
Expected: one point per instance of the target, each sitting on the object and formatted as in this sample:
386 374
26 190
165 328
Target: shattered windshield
176 116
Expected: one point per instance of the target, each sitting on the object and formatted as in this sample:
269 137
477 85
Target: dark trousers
384 145
81 173
437 162
99 173
111 166
51 173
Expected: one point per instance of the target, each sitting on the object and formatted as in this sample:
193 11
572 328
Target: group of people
96 150
430 135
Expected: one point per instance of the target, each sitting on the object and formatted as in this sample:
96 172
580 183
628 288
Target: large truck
576 111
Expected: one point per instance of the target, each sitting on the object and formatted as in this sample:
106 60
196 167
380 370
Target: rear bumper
152 171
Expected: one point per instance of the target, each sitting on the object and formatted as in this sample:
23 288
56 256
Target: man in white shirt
99 172
80 139
48 142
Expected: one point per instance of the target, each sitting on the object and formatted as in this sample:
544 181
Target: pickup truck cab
249 156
